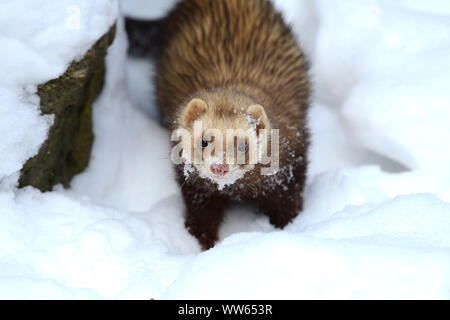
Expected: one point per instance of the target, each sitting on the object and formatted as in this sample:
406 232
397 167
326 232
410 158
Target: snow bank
76 249
22 130
370 228
396 250
388 67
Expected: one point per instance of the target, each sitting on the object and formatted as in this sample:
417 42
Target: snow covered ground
376 222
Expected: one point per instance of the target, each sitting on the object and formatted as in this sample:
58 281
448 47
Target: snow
376 222
19 142
362 252
153 9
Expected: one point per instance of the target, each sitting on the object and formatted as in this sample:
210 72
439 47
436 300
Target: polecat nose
219 169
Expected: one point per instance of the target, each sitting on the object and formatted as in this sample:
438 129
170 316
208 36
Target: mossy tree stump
66 152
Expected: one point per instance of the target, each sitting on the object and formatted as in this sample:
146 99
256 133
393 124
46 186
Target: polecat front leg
281 206
204 215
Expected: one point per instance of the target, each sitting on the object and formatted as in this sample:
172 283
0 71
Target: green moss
69 98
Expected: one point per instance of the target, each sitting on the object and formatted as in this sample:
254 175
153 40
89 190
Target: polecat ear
195 108
258 116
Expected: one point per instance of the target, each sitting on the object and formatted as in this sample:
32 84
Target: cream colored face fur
223 135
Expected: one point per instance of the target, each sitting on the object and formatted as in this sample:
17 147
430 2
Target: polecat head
226 135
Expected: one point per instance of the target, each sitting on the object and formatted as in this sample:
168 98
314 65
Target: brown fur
233 52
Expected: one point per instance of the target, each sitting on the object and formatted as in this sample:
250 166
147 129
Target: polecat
234 64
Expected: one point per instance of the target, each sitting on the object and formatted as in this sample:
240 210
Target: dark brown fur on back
238 47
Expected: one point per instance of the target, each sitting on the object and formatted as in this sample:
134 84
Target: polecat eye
242 147
204 143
